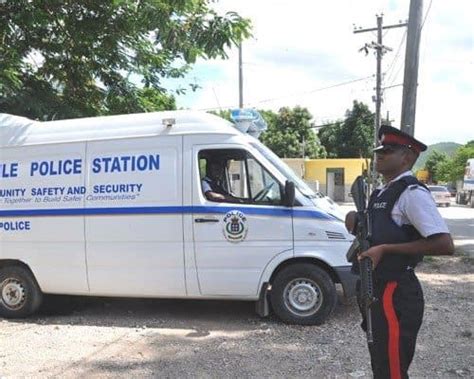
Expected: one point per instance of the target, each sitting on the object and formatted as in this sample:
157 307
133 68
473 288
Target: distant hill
442 147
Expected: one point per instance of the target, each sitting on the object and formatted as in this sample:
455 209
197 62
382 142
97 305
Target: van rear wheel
20 295
303 294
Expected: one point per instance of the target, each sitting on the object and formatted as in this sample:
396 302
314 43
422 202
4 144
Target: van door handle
201 220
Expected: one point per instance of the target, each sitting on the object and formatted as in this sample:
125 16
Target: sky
299 48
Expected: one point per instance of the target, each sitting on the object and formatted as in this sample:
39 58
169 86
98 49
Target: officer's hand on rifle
375 253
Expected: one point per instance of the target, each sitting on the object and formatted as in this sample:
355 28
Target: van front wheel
303 294
20 295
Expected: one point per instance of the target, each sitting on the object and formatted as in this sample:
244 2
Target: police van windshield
284 169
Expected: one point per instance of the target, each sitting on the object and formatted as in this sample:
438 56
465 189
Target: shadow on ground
161 313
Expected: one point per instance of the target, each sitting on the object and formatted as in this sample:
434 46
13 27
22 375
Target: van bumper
347 279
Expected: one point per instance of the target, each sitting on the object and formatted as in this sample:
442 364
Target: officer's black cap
388 135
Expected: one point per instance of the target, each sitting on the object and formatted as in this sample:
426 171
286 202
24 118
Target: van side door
235 239
134 222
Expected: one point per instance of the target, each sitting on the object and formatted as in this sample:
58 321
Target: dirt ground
86 337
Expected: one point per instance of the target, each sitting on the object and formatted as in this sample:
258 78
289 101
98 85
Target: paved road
460 220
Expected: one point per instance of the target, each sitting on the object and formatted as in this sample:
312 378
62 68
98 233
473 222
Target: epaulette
412 182
415 186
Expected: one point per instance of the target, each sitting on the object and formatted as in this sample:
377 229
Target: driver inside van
213 183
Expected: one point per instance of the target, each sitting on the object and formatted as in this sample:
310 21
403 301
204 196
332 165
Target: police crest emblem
235 226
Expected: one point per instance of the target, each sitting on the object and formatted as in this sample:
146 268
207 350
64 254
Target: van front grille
335 235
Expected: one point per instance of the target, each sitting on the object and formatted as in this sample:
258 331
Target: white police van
114 206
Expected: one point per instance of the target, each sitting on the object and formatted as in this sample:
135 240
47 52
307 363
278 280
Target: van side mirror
289 198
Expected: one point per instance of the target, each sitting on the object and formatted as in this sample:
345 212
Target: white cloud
300 46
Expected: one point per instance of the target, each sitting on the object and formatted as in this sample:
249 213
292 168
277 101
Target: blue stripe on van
165 210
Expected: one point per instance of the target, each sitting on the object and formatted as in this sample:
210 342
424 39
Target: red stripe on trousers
393 331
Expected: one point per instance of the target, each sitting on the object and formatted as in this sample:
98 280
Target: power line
426 47
393 86
397 55
295 94
391 77
324 125
380 51
394 78
315 90
426 14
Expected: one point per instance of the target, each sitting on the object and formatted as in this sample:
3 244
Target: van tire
20 295
303 294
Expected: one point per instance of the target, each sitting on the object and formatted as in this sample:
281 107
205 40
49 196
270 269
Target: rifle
361 244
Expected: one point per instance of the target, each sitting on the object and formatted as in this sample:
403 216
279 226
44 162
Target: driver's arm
218 196
209 193
214 196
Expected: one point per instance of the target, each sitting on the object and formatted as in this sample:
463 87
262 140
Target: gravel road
75 337
94 337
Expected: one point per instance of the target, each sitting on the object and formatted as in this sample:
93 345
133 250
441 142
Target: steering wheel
262 193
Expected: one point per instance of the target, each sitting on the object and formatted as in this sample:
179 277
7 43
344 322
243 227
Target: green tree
452 169
288 130
351 138
433 164
289 134
222 113
330 137
63 59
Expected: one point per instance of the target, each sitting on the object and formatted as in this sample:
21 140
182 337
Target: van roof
20 131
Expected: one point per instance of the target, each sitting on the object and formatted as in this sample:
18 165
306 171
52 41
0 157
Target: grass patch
467 259
464 256
428 259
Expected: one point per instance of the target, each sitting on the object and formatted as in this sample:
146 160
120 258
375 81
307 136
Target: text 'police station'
126 163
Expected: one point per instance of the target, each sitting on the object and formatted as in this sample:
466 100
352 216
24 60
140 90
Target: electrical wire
316 90
426 14
395 58
296 94
392 78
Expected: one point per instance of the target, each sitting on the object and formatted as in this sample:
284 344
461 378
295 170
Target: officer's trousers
396 319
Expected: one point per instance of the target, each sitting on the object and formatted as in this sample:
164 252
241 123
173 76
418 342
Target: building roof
20 131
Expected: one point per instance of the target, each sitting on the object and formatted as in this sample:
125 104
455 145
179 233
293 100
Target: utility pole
303 145
241 79
380 51
410 80
378 85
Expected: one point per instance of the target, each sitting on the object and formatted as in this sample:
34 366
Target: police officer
405 226
212 184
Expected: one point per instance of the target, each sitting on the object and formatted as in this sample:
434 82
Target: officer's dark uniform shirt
401 211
